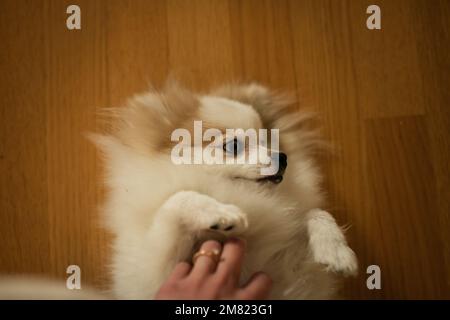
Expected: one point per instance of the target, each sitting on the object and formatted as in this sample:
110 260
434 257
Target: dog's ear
112 151
297 127
147 120
269 104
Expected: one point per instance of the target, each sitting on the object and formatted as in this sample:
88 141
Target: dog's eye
233 147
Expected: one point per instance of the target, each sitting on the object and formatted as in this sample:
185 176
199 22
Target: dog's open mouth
276 178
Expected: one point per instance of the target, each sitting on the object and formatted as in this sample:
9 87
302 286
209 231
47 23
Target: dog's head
241 132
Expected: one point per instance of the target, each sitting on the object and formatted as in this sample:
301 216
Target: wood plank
386 61
75 87
262 43
199 36
433 37
403 214
325 76
137 47
24 225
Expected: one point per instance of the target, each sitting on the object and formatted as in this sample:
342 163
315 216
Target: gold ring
213 254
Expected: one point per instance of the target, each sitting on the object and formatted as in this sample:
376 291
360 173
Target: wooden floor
383 97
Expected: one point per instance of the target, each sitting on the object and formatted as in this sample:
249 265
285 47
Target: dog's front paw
328 245
202 212
338 257
224 218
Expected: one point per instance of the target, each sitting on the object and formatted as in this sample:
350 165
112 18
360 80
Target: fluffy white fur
159 212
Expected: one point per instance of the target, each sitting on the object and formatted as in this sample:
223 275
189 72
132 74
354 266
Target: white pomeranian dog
160 210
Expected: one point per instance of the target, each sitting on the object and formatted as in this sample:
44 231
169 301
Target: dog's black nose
282 161
281 158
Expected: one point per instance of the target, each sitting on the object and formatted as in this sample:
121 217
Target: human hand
214 276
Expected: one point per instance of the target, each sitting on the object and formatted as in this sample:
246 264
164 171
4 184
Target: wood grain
382 97
24 190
